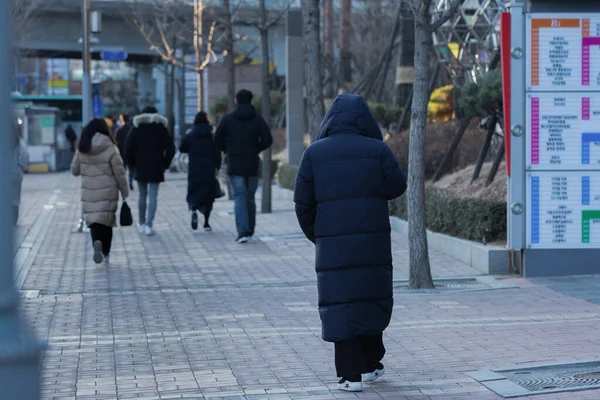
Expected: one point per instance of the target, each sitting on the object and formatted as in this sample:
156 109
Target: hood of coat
150 119
100 142
201 130
244 112
349 113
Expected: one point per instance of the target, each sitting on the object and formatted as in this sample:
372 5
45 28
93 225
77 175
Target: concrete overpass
55 28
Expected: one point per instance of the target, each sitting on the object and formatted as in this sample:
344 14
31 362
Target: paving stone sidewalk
194 315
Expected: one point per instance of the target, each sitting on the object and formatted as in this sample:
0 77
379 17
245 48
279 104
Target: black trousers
358 355
104 234
205 210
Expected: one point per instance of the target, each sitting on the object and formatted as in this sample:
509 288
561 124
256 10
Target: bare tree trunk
230 56
346 33
266 205
312 65
198 42
329 48
406 57
420 270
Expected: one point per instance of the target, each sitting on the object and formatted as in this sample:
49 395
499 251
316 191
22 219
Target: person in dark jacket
149 152
242 135
344 182
71 137
121 136
204 163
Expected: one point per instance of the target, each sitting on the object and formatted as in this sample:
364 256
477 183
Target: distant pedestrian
242 135
344 182
71 137
204 164
121 136
20 165
149 151
102 173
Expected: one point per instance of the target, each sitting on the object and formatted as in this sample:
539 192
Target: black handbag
125 219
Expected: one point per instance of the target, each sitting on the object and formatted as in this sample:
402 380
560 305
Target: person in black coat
71 137
242 134
204 164
121 137
344 182
149 151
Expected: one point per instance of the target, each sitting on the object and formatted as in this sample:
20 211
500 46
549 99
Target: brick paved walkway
194 315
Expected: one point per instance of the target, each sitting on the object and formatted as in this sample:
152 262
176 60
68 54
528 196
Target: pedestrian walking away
242 135
20 165
344 182
71 137
122 135
149 151
204 164
100 166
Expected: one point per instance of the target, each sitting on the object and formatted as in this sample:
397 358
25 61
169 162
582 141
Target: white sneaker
348 386
148 231
142 228
106 260
373 376
242 239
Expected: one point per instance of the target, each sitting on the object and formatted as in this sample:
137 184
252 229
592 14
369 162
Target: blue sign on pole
116 54
97 103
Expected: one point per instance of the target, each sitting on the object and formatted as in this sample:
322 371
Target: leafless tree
312 65
229 54
345 35
166 26
420 270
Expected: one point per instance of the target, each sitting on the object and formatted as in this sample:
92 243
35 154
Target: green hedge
286 175
471 219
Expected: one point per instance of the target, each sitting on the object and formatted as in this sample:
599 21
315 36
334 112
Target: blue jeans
244 206
148 193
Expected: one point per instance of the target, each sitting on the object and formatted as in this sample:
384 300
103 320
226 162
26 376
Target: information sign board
563 131
561 52
564 209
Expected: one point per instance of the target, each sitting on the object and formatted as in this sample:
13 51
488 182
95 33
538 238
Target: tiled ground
193 315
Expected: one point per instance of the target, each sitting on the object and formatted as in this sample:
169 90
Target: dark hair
201 118
244 96
125 118
97 125
149 110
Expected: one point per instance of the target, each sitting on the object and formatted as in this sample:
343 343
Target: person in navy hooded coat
204 163
344 182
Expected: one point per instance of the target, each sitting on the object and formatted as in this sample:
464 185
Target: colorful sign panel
563 131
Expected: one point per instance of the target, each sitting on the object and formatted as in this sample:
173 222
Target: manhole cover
542 379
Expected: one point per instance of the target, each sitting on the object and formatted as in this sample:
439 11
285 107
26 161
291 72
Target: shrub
483 97
274 168
467 218
286 175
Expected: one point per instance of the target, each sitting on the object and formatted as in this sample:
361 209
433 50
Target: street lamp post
86 83
19 350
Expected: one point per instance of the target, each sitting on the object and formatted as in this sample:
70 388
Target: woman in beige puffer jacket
100 166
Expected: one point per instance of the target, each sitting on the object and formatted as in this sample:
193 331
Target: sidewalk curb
490 260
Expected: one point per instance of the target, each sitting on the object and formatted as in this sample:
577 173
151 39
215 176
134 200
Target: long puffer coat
344 182
102 177
205 161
